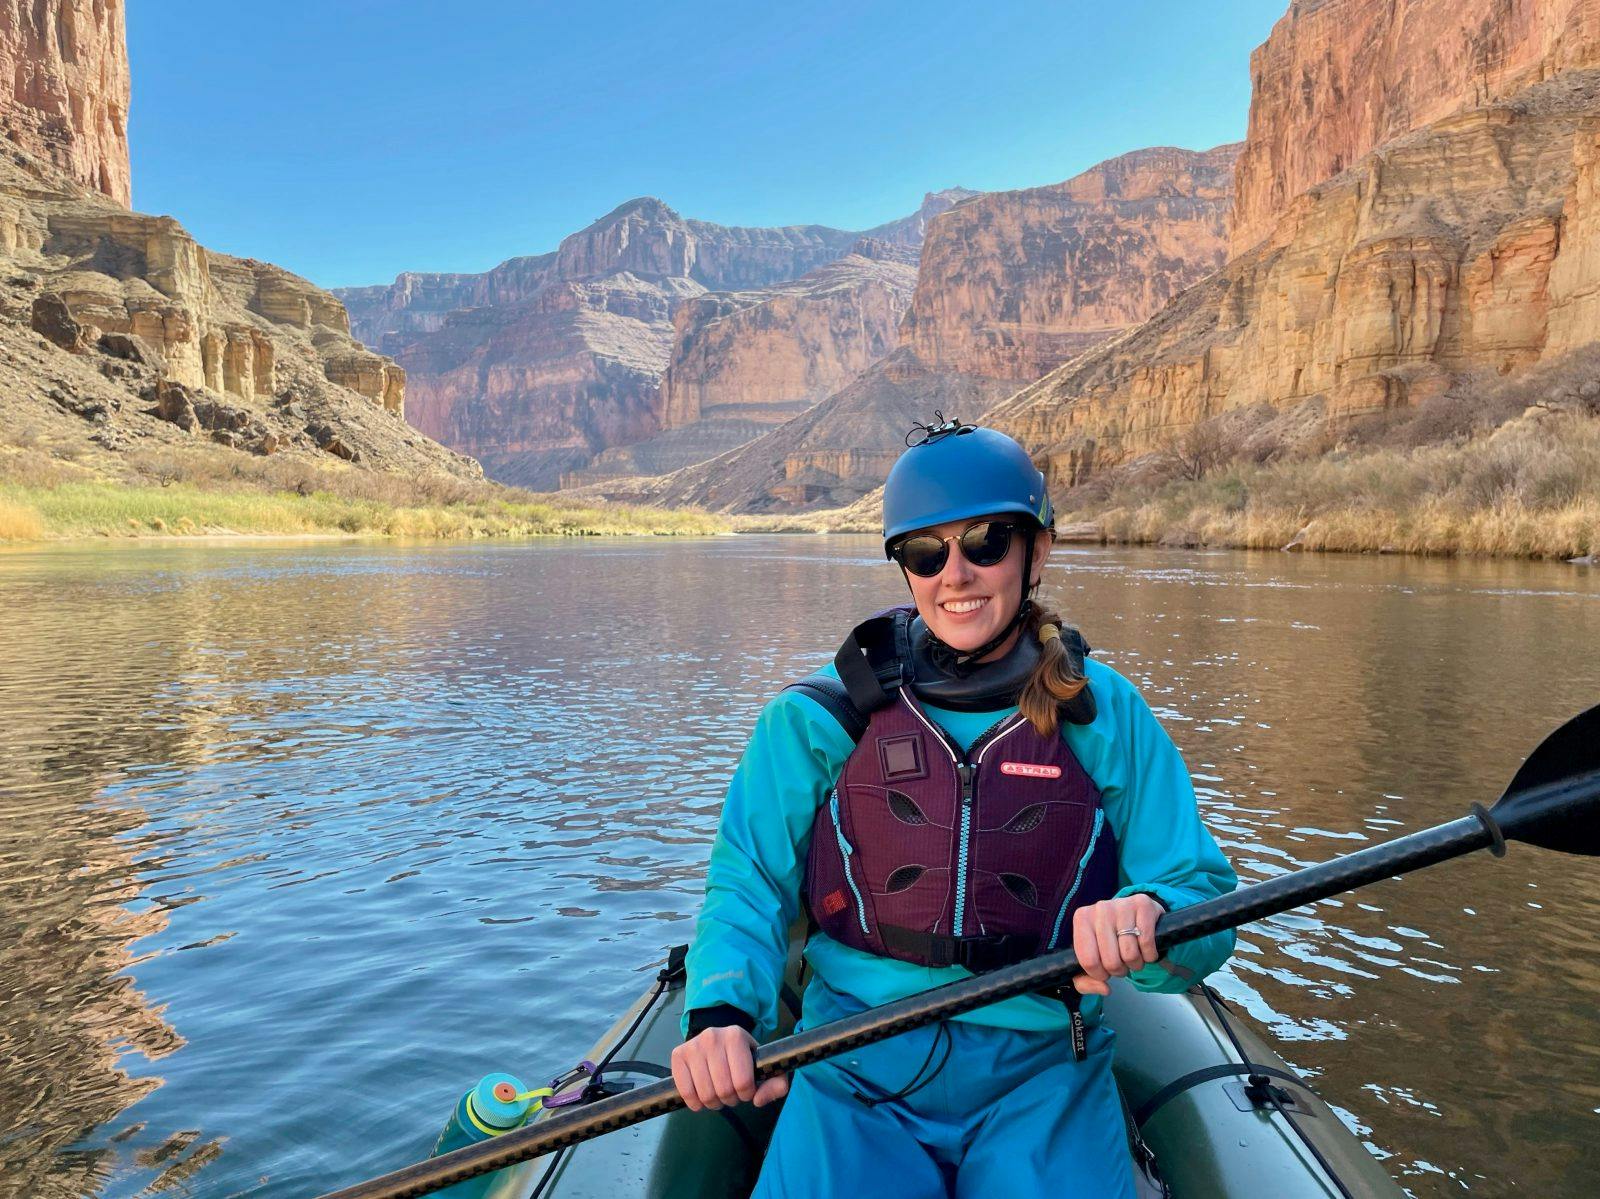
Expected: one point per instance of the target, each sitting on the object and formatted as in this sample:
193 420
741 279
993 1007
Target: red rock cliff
1338 78
1014 283
64 74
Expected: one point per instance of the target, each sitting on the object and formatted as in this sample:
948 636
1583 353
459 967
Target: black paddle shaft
1536 813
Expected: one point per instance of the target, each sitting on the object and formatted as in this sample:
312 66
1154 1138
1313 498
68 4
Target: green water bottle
496 1105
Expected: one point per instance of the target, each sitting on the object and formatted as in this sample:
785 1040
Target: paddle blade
1554 799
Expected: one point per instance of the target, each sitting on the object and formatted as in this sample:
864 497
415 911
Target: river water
301 839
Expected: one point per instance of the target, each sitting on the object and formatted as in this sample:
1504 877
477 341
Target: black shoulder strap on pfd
832 695
875 659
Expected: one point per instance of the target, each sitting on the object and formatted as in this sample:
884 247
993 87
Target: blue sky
348 140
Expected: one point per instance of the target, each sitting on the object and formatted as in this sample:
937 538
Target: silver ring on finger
1129 932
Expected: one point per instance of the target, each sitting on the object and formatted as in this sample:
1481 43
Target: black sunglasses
983 544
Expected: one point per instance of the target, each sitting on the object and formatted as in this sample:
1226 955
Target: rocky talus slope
1470 244
1012 284
64 64
1336 79
123 336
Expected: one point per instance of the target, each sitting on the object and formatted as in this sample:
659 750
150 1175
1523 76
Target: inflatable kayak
1217 1111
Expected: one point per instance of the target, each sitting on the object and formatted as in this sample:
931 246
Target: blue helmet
958 471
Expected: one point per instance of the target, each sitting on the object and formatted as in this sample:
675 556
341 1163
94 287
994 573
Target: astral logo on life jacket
934 856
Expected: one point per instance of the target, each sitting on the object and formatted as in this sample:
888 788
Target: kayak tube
1223 1115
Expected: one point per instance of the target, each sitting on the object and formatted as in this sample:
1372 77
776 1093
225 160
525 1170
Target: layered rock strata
122 333
1012 284
1338 78
64 67
543 363
643 237
539 387
831 455
768 355
1471 244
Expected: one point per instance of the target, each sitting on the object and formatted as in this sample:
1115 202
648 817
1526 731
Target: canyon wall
1008 286
829 456
1338 78
770 354
119 333
550 366
1472 244
1014 283
64 86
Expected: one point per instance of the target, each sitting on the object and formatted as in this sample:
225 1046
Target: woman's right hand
718 1067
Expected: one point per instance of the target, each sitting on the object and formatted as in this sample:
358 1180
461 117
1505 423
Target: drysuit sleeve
757 866
1163 848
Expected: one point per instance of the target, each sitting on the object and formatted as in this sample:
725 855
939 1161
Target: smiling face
966 605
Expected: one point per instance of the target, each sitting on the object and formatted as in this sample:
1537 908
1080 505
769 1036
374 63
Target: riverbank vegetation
1491 469
43 497
1490 466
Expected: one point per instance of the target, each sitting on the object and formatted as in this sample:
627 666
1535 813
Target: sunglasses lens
923 556
986 544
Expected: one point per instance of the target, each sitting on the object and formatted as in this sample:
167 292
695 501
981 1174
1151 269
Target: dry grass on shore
1529 488
42 498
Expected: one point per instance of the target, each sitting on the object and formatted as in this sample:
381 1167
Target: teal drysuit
753 888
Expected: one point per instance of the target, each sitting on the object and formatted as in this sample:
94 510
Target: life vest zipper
969 790
845 850
968 787
1083 864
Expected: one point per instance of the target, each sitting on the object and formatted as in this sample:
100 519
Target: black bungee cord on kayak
941 1036
673 971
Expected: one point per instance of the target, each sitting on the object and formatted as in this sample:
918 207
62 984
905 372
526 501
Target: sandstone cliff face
120 333
771 354
1338 78
742 362
539 387
64 73
1474 243
1014 283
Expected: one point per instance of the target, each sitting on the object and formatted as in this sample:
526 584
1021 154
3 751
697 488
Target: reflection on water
302 840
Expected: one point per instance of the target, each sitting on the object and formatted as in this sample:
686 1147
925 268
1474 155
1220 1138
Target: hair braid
1054 681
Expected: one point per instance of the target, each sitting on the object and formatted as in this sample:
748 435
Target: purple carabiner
584 1069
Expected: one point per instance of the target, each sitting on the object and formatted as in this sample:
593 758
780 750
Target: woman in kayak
962 790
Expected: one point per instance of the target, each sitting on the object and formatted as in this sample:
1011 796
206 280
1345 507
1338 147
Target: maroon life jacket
939 857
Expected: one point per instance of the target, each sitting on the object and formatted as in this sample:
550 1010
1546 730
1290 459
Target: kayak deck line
1185 1065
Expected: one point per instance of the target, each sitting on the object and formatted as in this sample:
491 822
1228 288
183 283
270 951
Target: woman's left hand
1104 946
